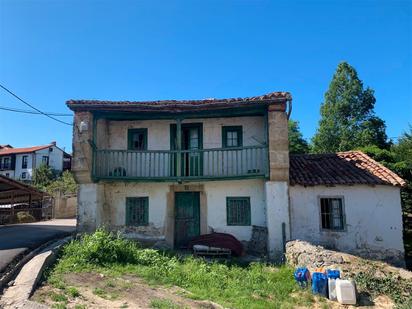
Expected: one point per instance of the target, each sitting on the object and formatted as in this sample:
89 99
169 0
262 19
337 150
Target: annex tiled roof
8 151
342 168
170 105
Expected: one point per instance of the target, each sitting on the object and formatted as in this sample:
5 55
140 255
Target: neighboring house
19 163
176 169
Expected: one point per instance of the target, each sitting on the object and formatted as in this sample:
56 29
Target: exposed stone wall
278 143
82 151
302 253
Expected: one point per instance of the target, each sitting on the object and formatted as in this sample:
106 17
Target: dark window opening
137 211
45 160
232 136
137 139
331 211
238 211
24 162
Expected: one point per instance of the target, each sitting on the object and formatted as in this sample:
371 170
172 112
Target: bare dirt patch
99 291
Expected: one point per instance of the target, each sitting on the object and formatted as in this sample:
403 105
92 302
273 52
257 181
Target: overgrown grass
163 304
256 286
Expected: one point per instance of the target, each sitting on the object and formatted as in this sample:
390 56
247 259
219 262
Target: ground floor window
238 210
331 212
137 211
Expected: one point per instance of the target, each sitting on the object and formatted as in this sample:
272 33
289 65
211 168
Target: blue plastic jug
333 274
302 276
320 284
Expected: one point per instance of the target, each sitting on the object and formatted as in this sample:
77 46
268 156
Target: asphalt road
17 238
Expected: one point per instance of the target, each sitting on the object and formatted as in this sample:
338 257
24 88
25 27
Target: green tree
347 119
43 176
65 184
297 144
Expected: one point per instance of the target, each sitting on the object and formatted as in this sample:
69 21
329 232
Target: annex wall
372 213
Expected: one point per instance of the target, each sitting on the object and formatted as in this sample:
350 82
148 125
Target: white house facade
172 170
20 163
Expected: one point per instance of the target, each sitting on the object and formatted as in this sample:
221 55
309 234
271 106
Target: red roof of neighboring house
342 168
176 105
8 151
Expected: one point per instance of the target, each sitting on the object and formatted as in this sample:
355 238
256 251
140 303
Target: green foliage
43 176
397 289
163 304
297 144
101 248
65 184
347 115
256 286
73 292
24 217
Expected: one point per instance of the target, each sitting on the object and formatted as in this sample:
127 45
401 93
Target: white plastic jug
332 289
346 292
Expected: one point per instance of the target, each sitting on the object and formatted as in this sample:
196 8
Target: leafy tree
43 176
297 144
347 119
65 184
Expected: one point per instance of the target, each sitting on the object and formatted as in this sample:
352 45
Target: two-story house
175 169
19 163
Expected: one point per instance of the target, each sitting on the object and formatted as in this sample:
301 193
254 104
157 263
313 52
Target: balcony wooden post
178 146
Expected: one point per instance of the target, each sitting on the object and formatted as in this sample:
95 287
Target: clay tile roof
8 151
342 168
168 105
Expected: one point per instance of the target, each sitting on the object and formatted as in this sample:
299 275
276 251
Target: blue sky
52 51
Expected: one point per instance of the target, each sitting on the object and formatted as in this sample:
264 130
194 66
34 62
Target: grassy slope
255 286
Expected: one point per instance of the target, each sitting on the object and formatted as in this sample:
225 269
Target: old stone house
171 170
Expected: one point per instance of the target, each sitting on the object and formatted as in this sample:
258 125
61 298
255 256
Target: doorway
187 217
191 160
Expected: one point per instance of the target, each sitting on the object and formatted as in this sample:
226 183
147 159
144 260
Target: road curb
17 295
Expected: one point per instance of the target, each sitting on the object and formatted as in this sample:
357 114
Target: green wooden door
187 217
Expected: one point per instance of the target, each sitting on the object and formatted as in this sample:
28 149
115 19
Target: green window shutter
134 135
137 211
238 211
232 136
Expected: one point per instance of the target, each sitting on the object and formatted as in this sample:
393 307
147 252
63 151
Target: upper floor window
232 136
45 160
24 162
6 163
137 139
331 212
238 211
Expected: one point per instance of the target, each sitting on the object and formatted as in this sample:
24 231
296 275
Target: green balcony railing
174 165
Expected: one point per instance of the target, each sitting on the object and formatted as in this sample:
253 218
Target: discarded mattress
220 241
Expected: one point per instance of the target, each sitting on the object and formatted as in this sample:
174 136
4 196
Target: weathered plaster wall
113 207
277 217
217 191
159 132
373 217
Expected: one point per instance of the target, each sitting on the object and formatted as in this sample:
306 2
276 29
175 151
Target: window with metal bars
137 211
331 212
238 211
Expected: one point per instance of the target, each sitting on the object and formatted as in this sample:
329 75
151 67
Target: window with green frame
232 136
238 211
137 211
137 139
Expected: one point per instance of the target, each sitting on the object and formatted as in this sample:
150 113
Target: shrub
24 217
102 248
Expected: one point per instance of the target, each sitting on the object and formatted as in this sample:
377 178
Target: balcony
181 165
